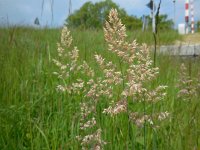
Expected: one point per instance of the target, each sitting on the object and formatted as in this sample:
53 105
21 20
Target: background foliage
92 15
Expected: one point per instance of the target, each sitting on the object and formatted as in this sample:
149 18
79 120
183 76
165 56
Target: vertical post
186 16
154 32
192 15
153 17
70 8
144 23
147 23
174 1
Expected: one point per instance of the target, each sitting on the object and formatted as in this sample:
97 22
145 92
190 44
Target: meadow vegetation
42 105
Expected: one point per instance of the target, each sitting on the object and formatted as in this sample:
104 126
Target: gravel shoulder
190 39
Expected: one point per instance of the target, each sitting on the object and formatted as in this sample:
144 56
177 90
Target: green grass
33 115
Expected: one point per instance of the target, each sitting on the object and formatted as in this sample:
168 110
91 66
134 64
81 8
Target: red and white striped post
192 15
186 16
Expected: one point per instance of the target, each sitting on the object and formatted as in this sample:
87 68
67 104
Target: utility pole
192 15
186 16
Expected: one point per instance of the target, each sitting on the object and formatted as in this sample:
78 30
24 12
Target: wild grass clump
131 79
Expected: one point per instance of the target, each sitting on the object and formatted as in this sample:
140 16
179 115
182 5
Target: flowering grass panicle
72 76
119 107
112 75
115 35
198 83
138 72
69 66
140 119
186 86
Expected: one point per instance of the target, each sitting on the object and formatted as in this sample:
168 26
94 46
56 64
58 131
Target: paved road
181 50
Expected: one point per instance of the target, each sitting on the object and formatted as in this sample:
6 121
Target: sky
53 13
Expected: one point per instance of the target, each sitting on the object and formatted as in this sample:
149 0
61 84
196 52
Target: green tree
79 18
132 22
93 15
163 22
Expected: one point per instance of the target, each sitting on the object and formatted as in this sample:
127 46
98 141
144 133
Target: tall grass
33 115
